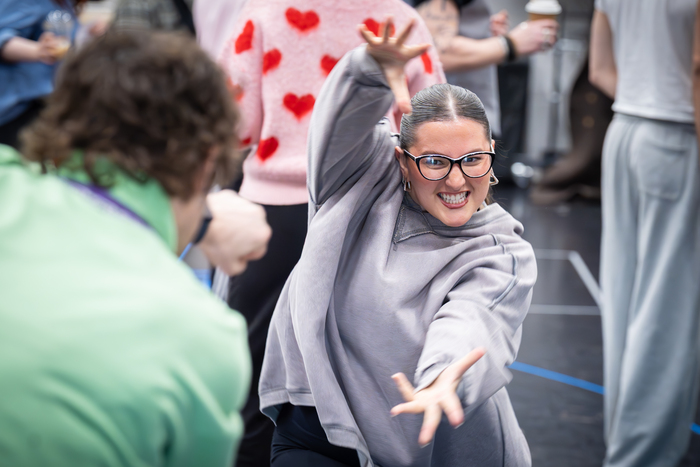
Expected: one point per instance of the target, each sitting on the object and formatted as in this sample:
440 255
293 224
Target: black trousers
9 131
254 294
299 441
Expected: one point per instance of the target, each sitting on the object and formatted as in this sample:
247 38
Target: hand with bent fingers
392 55
439 397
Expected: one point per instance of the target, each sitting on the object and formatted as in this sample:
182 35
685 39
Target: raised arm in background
602 71
459 53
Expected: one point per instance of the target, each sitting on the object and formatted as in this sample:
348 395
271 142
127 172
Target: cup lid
543 7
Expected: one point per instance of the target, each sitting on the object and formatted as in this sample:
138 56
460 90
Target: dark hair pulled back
442 103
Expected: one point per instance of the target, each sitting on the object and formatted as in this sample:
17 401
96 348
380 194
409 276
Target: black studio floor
563 423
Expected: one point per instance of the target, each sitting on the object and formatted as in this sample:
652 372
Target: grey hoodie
384 287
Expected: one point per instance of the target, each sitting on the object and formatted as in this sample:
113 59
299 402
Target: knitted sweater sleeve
243 61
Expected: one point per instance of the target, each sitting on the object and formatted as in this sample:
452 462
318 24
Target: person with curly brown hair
111 352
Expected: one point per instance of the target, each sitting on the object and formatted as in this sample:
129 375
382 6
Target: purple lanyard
106 202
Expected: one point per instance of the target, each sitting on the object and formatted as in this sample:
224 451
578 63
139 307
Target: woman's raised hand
439 397
392 54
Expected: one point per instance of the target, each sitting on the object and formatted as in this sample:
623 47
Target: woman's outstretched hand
392 54
439 397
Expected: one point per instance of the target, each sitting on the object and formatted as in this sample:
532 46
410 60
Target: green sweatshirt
111 352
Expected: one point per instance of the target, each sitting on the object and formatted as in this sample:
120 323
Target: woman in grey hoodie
405 270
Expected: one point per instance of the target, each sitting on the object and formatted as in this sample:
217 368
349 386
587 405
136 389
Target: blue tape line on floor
554 376
571 381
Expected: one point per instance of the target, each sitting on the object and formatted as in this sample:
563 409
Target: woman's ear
398 152
493 145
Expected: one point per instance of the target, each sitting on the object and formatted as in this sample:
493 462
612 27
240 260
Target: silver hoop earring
493 180
406 185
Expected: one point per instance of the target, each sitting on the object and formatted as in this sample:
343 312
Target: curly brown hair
152 103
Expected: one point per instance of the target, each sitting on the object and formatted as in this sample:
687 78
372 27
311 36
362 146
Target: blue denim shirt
22 82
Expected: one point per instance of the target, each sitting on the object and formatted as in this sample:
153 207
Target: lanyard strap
106 202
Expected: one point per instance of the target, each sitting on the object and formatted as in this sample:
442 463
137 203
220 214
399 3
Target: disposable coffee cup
543 9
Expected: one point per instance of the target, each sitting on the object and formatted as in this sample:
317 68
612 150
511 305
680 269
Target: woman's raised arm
354 98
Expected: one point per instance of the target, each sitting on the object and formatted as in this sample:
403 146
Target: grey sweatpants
650 278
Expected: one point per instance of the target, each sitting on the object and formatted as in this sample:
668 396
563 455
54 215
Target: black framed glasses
435 167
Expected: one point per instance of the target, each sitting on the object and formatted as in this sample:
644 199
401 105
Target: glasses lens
476 165
434 167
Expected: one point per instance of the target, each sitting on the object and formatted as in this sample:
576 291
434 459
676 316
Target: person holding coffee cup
471 41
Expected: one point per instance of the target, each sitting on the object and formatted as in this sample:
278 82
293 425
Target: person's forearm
463 53
19 49
605 80
602 70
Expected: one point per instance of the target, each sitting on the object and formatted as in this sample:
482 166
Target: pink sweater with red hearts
277 59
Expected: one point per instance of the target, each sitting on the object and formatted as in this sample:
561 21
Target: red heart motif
375 27
302 21
271 59
245 142
267 148
299 106
327 64
245 39
427 62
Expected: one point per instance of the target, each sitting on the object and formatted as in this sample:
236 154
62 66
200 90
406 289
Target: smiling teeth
453 199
